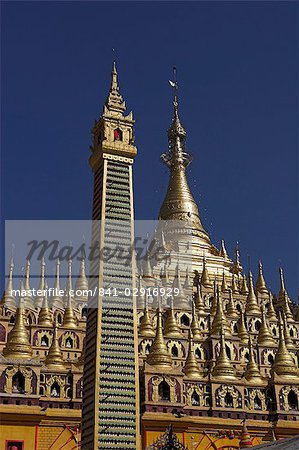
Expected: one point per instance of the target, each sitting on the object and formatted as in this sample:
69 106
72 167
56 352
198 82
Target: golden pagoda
191 369
54 359
283 363
223 369
159 355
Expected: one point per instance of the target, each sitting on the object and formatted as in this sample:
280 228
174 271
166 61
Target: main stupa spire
179 203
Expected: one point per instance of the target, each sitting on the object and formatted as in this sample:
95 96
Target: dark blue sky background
238 74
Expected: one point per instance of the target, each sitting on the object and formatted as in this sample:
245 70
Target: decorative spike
260 286
191 369
243 333
224 287
282 291
146 267
237 267
220 322
54 359
69 284
194 324
283 365
235 288
171 328
82 283
265 338
288 340
181 298
252 372
231 309
9 299
56 299
271 311
18 345
198 300
205 279
45 316
252 306
287 309
223 251
244 287
28 297
69 318
114 102
159 355
146 327
187 283
223 369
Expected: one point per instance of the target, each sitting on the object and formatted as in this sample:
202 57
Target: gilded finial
82 283
18 345
171 328
243 333
283 365
54 359
159 355
191 369
9 299
181 298
288 340
194 324
205 278
237 267
223 369
244 287
252 372
69 318
147 267
235 288
56 299
224 287
260 286
198 300
231 309
222 251
146 327
220 322
270 310
252 306
45 316
286 308
265 338
114 102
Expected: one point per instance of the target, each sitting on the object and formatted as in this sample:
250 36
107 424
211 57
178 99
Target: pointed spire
191 369
69 285
8 298
237 267
194 324
243 333
179 203
235 288
283 363
198 300
28 297
252 306
146 328
205 279
69 318
223 368
282 291
187 283
286 308
147 267
288 340
252 372
114 102
181 299
231 309
45 316
265 338
56 299
260 286
54 359
82 283
271 311
159 355
214 300
220 322
18 345
171 327
164 276
244 287
245 439
223 251
41 287
224 287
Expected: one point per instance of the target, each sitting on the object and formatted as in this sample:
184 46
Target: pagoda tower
110 415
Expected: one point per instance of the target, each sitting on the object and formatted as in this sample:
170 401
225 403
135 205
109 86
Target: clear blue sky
238 74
